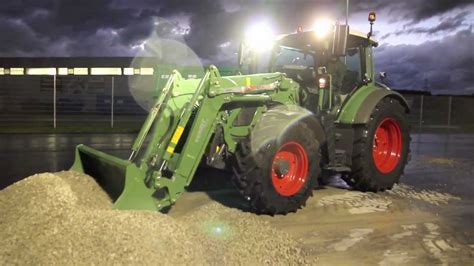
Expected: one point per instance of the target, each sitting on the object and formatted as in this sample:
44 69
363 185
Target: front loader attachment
139 182
121 179
177 133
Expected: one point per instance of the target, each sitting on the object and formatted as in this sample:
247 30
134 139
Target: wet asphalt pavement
427 219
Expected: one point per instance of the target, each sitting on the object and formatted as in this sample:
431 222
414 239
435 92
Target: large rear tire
279 176
381 148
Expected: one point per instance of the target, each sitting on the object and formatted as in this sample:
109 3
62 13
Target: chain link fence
431 113
68 103
104 104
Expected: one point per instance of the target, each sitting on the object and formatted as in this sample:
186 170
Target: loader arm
179 127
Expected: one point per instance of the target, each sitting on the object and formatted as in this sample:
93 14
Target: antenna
347 12
347 23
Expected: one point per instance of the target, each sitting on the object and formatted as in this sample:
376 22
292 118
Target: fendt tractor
318 112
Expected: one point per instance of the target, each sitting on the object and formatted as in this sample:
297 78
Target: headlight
259 37
322 27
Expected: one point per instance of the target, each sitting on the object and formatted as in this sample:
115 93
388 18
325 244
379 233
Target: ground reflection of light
217 229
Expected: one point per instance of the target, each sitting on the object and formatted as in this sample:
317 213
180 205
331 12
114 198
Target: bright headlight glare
260 37
322 27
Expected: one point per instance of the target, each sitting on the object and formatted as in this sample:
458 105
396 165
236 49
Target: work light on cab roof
260 36
322 27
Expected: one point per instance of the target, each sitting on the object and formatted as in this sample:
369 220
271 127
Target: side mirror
339 44
382 76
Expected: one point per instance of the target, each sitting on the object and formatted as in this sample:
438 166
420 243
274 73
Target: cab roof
307 38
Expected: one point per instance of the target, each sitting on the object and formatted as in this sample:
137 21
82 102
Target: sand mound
66 218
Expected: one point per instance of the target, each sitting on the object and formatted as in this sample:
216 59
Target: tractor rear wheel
279 176
381 148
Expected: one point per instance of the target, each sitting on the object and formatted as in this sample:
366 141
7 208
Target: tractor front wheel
279 176
381 148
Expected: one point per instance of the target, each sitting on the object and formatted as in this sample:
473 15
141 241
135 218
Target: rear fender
358 108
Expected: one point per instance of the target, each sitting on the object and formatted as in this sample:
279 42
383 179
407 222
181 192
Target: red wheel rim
387 145
289 168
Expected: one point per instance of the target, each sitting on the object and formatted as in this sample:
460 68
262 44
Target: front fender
358 108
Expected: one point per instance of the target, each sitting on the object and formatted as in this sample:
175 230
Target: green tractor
318 112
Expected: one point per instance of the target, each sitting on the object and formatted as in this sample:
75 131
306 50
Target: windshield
288 58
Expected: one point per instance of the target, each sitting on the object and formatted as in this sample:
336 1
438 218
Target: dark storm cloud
59 28
113 27
414 10
210 24
19 38
443 65
447 24
52 23
16 9
203 7
425 9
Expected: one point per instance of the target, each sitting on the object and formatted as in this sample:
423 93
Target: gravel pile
236 236
65 218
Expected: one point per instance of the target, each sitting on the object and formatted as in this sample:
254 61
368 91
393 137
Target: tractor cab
313 63
328 62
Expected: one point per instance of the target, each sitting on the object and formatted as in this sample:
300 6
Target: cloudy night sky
423 43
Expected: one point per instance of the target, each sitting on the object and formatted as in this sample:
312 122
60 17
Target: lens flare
163 51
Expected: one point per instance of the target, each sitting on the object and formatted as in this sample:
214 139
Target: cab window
353 75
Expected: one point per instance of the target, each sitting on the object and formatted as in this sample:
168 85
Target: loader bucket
121 179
